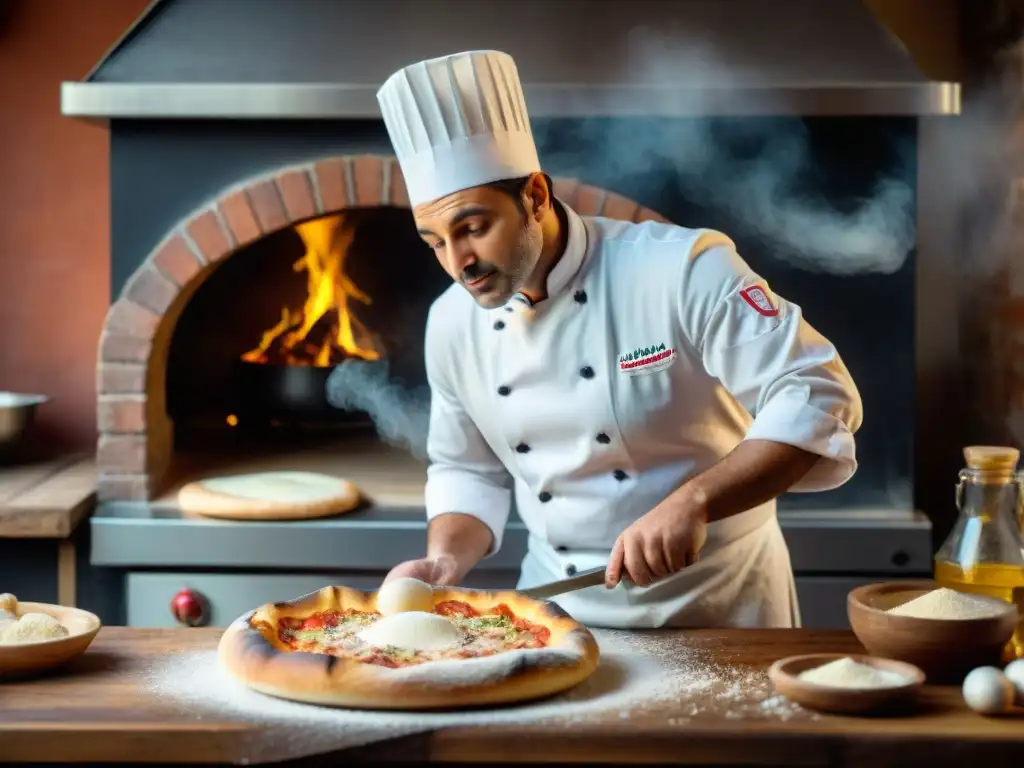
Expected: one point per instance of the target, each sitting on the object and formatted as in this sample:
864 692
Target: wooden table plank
47 499
100 710
940 731
96 709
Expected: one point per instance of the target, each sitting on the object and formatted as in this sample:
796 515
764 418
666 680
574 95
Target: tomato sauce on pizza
484 633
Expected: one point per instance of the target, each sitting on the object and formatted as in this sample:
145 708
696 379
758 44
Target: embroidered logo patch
757 297
646 359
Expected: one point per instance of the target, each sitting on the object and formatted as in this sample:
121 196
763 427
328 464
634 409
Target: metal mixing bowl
17 412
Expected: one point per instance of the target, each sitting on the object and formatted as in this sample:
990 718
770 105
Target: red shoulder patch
757 298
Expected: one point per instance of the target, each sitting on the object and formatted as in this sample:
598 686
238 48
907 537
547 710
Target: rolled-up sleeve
788 376
464 475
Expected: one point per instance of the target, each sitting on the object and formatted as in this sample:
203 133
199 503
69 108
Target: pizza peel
589 578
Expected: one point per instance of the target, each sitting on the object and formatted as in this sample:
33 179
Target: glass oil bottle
984 553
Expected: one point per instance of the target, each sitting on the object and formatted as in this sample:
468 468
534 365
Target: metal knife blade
589 578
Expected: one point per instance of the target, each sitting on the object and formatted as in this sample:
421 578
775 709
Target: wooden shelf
46 500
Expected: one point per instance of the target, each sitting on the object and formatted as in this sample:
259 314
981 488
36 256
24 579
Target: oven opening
254 347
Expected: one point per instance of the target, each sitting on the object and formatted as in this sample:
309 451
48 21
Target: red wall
54 220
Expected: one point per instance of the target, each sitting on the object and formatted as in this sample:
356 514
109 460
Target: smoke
760 174
753 170
979 159
400 414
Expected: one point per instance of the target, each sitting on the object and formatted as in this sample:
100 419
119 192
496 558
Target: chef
640 393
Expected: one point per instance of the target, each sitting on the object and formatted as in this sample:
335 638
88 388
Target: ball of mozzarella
1015 674
413 631
986 690
405 594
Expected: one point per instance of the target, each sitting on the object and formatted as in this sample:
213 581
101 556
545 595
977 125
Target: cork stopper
996 463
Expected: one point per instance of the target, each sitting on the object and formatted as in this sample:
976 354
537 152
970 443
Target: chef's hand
662 542
441 571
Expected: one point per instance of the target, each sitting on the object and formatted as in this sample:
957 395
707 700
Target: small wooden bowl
946 649
784 673
28 658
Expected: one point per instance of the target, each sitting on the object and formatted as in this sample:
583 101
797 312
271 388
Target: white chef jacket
656 352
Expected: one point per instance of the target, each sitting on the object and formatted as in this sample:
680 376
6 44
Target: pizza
459 647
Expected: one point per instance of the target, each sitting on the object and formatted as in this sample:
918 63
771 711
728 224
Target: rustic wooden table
98 710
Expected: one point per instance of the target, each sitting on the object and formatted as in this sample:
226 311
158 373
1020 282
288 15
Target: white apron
743 579
657 351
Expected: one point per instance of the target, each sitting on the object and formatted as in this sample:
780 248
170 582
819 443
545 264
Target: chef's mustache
476 270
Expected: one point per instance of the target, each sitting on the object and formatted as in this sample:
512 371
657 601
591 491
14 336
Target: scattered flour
849 673
638 673
947 604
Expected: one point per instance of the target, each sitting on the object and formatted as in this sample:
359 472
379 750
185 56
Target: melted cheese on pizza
336 633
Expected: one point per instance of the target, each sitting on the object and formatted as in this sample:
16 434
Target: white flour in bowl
850 673
638 672
948 604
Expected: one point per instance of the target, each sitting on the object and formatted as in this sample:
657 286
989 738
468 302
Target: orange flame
329 291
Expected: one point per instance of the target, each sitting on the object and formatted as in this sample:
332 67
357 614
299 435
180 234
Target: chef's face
488 238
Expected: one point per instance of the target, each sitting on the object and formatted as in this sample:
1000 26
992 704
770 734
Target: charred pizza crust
252 652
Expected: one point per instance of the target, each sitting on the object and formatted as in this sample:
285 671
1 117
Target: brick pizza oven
231 131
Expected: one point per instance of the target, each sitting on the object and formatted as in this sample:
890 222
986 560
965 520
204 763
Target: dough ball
1015 674
412 631
986 690
33 627
405 594
8 604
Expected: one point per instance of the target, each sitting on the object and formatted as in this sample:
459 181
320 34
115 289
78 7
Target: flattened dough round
285 495
404 594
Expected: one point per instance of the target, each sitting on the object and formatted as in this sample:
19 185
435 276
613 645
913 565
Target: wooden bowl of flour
895 684
28 658
944 646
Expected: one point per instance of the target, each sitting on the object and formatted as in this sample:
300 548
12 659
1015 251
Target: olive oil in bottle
984 553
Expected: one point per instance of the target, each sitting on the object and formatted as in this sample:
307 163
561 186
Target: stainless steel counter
129 534
237 565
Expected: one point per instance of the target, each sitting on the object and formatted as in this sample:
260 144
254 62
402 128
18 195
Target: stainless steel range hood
324 59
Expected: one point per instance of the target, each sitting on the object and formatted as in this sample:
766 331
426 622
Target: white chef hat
457 122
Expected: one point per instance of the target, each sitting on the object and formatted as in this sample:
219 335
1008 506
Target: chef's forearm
753 473
464 537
